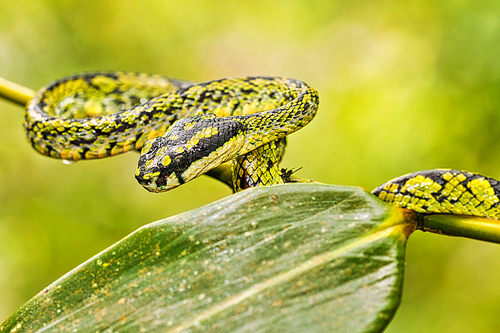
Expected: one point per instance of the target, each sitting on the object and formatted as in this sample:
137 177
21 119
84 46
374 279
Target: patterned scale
260 167
444 191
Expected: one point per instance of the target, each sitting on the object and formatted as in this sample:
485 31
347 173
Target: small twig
15 93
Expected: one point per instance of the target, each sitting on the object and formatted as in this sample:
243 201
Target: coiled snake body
184 130
242 120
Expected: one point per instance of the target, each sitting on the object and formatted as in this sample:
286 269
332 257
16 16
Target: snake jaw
162 183
191 147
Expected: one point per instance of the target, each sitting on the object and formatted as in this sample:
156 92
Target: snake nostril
161 181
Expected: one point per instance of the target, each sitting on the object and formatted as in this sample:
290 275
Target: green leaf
294 258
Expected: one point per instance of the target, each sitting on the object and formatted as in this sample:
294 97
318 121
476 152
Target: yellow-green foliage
404 86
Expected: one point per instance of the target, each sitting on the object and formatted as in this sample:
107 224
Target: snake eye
180 163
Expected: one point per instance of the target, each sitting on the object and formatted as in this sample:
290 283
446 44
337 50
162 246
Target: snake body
444 191
95 115
185 129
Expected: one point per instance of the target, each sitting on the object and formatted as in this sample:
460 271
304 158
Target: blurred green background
404 86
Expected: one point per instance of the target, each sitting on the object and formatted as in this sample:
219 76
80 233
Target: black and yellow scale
186 129
444 191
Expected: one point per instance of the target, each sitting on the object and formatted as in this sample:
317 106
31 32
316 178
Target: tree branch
14 92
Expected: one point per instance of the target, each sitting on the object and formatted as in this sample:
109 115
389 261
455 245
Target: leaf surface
286 258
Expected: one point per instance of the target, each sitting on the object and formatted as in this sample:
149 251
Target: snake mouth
160 183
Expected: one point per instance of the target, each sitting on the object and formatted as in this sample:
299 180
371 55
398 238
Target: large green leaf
294 258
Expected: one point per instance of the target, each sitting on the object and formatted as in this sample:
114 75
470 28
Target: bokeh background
404 86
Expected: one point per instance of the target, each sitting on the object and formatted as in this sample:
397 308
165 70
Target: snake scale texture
185 129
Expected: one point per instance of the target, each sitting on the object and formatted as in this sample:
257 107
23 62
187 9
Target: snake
239 125
182 129
446 191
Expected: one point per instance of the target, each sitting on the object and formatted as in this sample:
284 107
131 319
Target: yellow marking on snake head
146 147
162 151
166 160
214 131
179 150
193 141
204 133
188 126
149 163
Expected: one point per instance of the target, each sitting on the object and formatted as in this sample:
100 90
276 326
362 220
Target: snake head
190 147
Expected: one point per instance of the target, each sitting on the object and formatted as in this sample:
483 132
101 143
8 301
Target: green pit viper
238 125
